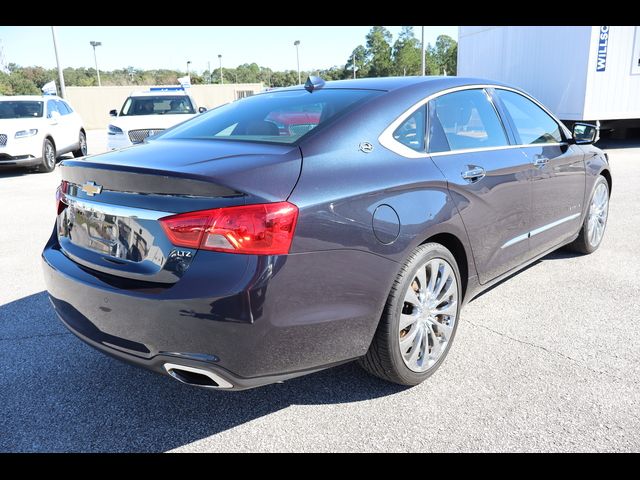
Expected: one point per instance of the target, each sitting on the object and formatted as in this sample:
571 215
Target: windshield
160 105
278 117
20 109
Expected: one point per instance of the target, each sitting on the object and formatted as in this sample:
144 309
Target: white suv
35 130
149 112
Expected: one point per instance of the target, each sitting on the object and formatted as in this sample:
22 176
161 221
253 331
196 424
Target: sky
171 47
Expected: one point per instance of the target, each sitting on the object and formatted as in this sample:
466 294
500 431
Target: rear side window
278 116
467 119
533 124
412 131
63 108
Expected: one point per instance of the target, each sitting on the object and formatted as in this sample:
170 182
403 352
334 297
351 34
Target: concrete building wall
94 103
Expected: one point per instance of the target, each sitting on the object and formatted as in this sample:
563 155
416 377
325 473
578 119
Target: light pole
297 43
95 58
209 65
354 65
423 51
221 76
188 63
60 75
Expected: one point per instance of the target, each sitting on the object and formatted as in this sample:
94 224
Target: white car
148 112
35 130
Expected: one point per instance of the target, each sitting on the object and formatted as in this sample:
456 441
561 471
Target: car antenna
313 83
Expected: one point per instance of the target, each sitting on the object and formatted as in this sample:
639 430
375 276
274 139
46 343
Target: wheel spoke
421 275
434 266
406 320
412 297
444 329
446 272
416 347
408 340
447 309
436 348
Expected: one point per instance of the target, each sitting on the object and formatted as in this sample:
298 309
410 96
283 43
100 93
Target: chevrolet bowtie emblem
91 189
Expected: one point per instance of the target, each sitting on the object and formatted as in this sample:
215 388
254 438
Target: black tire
582 244
48 157
384 357
82 146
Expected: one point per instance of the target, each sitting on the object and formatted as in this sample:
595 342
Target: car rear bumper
289 315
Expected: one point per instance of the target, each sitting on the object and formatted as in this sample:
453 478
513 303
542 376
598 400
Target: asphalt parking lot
547 361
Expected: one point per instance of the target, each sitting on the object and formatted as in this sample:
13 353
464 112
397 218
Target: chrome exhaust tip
196 376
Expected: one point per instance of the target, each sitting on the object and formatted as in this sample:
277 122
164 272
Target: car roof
39 98
160 92
435 83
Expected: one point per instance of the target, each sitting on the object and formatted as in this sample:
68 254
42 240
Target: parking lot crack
547 350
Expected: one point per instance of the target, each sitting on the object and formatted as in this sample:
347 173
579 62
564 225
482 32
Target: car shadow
58 394
14 172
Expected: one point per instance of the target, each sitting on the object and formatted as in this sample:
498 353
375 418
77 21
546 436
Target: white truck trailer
584 73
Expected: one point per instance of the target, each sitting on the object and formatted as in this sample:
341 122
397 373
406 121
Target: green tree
360 56
446 54
379 52
406 54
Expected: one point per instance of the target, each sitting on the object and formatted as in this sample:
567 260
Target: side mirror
54 115
113 113
585 133
202 109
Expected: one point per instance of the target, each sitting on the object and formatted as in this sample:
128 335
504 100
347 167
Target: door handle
540 161
473 174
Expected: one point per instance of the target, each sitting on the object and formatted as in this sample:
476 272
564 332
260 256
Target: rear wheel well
454 245
607 176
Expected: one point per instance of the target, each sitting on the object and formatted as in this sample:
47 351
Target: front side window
20 109
51 107
467 119
157 105
412 131
278 116
533 124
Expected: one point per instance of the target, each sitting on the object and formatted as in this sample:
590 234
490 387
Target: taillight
62 189
262 229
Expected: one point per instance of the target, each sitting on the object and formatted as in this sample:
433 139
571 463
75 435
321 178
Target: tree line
378 57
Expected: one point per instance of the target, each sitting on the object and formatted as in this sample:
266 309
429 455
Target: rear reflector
61 191
262 229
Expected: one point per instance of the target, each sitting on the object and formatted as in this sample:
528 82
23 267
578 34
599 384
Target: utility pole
60 75
354 65
423 53
221 75
95 58
297 43
209 65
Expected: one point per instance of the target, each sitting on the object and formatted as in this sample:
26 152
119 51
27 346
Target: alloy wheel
428 315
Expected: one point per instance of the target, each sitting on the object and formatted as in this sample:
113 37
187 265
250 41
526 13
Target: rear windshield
277 117
20 109
160 105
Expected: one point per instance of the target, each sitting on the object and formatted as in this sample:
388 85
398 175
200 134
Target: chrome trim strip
117 210
539 230
515 240
222 383
546 227
386 137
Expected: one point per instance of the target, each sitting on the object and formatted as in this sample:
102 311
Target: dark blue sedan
310 226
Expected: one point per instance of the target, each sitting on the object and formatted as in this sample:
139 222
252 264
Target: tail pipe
198 377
